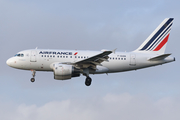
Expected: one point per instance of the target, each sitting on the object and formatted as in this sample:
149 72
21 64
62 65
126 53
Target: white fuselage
71 63
42 60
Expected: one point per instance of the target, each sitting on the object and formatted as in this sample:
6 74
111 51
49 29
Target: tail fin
158 39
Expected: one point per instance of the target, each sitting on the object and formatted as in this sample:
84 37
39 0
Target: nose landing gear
33 74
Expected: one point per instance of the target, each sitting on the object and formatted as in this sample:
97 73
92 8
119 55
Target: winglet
113 51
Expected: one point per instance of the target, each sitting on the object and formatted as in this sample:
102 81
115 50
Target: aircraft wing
91 62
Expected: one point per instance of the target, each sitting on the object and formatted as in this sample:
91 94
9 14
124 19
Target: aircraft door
33 57
132 60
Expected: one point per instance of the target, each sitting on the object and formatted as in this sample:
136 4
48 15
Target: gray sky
151 93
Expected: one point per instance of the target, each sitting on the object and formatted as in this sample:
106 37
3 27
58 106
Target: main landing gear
33 74
88 81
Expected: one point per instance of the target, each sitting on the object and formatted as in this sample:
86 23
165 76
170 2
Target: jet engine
64 72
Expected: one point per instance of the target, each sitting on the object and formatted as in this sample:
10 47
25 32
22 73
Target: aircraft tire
88 81
32 80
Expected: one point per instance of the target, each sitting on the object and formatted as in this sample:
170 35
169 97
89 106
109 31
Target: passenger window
53 56
41 55
81 56
66 56
22 55
71 56
121 58
44 55
75 57
58 56
50 55
124 58
61 56
78 56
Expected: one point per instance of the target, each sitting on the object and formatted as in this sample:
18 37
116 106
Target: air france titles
55 53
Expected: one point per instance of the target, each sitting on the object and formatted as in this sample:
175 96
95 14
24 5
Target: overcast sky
147 94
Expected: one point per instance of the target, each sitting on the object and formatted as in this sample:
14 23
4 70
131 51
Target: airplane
66 64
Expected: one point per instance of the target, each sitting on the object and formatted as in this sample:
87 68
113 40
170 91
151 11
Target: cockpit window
19 55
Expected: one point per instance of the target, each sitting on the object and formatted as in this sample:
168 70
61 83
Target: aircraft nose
9 62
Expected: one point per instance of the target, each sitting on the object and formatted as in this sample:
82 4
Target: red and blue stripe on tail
158 39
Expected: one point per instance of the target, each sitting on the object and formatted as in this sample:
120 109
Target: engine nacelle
63 72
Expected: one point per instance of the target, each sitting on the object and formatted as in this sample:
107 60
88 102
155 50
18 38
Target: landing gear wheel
88 81
33 75
32 80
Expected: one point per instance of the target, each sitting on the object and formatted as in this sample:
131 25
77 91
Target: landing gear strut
88 81
33 74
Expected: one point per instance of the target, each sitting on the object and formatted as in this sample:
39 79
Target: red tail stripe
162 43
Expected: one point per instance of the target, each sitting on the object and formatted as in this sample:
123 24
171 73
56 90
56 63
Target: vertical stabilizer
157 41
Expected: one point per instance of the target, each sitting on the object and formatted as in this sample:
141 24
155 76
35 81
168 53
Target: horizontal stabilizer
160 57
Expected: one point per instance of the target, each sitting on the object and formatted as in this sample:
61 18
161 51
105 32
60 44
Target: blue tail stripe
157 34
159 37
